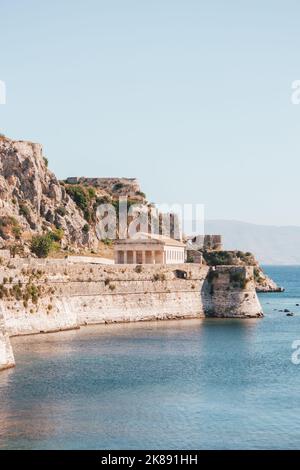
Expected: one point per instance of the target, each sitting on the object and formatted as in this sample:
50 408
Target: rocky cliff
33 201
31 198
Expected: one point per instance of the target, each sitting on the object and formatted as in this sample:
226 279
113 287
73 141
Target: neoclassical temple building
146 248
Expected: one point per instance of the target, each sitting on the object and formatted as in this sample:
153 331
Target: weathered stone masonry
45 296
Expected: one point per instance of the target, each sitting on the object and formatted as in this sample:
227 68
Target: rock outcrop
32 199
264 283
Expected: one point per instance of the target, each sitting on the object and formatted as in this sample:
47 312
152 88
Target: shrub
32 292
41 245
46 161
79 196
24 210
16 230
86 228
61 210
140 193
257 275
83 198
217 258
91 192
57 234
118 186
8 224
16 250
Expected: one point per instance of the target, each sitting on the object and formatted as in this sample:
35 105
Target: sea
186 384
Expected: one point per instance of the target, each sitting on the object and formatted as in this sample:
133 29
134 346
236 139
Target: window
180 274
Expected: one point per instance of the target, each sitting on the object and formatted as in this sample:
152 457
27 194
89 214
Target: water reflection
195 384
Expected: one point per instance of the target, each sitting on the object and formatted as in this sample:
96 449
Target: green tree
41 245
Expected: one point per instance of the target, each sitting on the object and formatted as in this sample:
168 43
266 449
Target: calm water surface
214 384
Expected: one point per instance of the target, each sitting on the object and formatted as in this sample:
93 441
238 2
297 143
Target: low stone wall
46 296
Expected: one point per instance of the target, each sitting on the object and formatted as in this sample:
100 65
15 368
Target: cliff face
32 199
264 283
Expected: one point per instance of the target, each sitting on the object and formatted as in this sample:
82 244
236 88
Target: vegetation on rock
84 197
43 245
9 226
229 258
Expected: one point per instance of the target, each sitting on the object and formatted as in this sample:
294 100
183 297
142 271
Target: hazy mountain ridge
270 244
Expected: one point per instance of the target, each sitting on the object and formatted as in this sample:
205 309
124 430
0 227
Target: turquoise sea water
211 384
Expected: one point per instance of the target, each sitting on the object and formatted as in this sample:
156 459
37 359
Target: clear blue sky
192 97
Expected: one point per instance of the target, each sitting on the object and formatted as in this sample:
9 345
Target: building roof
143 237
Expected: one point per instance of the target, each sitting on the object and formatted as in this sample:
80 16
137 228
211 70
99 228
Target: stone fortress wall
120 186
65 295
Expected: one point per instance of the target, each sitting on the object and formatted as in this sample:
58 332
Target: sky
191 97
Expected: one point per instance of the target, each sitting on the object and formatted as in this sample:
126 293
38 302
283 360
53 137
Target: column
134 256
143 257
125 257
152 257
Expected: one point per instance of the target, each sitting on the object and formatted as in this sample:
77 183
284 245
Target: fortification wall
229 291
70 295
46 296
6 353
118 186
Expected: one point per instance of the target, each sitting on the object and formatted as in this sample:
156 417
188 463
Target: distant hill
270 244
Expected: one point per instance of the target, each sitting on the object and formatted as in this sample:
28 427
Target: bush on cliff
118 186
84 198
57 234
24 210
229 258
42 245
9 226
